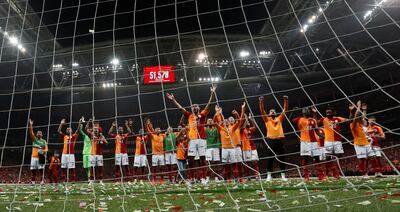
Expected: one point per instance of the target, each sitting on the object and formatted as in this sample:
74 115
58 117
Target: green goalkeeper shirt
87 146
170 142
212 137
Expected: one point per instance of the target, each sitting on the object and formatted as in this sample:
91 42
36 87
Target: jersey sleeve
187 114
204 112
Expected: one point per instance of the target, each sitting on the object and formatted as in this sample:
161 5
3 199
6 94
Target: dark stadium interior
32 85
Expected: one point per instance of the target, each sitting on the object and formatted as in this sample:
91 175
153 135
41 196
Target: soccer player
213 147
68 154
377 135
275 136
157 148
309 147
362 144
140 161
250 153
197 135
54 168
121 153
182 142
87 148
170 152
332 139
227 130
96 155
39 150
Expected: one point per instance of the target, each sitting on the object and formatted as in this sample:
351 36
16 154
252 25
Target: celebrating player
170 152
377 135
121 153
182 142
68 154
362 144
250 153
54 168
213 147
87 148
275 136
197 134
140 161
332 138
96 155
39 150
227 131
157 149
309 147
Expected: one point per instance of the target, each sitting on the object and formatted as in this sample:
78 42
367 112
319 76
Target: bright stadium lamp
13 40
202 56
115 61
244 54
75 64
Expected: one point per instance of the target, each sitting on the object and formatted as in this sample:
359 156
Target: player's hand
243 105
62 121
130 121
213 88
113 124
148 121
30 121
359 104
126 122
364 106
285 97
170 96
351 107
218 109
234 112
82 120
261 98
250 116
314 109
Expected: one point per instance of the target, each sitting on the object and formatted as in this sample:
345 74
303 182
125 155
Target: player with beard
275 136
197 135
68 153
140 161
96 156
157 151
39 149
121 152
377 135
250 154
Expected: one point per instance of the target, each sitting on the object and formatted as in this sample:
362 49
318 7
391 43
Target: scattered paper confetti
366 202
338 206
251 209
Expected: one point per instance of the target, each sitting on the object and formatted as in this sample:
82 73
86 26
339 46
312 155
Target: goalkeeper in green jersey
87 147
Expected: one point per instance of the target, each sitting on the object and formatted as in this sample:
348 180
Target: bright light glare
13 40
201 56
75 64
244 54
115 61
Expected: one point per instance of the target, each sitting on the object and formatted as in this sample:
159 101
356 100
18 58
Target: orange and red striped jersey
121 141
375 132
247 142
196 124
307 128
359 136
140 144
332 128
157 144
69 143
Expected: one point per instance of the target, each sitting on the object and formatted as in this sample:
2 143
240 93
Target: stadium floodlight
115 61
201 56
57 66
216 79
75 64
13 40
181 79
320 10
244 53
208 79
367 14
200 79
317 49
104 85
19 46
23 49
6 33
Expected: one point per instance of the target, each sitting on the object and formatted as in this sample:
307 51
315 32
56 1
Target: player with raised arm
121 152
275 136
96 156
140 161
227 131
39 150
157 150
68 153
197 135
182 142
250 153
362 144
87 147
170 152
377 135
310 150
331 125
213 147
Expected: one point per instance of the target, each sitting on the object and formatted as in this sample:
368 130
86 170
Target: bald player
39 149
197 134
275 136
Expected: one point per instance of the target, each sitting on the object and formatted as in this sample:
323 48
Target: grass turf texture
371 195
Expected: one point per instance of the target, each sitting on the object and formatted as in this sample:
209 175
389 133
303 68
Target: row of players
210 141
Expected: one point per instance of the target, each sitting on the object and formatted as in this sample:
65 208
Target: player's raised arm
241 118
171 97
31 133
149 128
110 131
285 104
358 114
212 94
128 128
59 130
262 110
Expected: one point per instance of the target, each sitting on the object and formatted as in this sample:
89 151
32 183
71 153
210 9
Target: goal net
199 105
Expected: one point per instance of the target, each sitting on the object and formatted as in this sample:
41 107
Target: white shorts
157 160
170 158
96 160
212 154
121 158
309 149
228 155
334 147
322 155
140 161
197 148
377 151
35 164
364 151
251 155
238 154
68 161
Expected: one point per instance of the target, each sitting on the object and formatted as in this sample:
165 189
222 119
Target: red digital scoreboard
159 74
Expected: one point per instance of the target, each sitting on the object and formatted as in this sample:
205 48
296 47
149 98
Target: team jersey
181 150
227 135
140 143
170 142
157 144
332 128
69 143
54 163
307 128
97 148
235 134
274 127
196 124
120 143
87 144
247 142
213 140
375 132
359 135
37 144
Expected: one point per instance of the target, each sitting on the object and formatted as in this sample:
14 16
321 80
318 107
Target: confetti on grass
366 202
